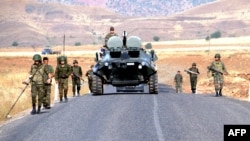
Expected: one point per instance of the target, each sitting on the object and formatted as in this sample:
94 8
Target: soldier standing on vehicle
193 74
37 72
89 74
178 82
218 70
110 34
47 87
76 78
63 71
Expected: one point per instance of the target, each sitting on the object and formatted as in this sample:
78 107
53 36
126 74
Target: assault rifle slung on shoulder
214 69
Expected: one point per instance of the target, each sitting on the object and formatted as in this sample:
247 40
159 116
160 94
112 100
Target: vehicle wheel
153 84
97 85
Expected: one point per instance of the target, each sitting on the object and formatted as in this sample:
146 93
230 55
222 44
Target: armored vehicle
126 65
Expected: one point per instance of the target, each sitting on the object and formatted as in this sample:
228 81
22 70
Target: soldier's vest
76 70
218 66
63 71
38 74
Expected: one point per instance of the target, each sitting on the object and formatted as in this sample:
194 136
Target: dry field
15 69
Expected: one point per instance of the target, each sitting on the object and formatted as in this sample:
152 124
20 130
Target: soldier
37 73
178 82
218 69
89 74
76 78
110 34
63 71
193 74
47 87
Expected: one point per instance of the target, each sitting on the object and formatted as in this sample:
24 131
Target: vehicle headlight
140 66
106 64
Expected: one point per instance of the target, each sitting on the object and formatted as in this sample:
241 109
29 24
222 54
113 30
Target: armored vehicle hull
125 66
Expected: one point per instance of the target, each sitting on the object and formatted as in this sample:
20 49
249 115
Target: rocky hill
33 23
137 7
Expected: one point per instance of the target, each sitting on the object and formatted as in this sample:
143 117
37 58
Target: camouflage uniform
178 82
61 76
109 35
38 72
76 78
193 77
47 87
218 77
89 74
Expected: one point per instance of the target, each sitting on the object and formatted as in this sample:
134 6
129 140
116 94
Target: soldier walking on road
89 74
218 70
47 86
193 74
62 73
76 78
37 72
178 82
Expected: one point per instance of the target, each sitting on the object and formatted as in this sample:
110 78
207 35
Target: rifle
76 76
191 72
214 69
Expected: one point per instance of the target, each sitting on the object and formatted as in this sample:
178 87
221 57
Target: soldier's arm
56 74
80 72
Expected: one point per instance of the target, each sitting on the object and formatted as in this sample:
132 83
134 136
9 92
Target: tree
78 44
15 43
156 38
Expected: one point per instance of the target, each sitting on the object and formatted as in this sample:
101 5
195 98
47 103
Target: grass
14 70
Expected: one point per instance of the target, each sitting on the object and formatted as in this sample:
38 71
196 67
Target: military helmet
194 64
75 62
37 57
62 58
217 55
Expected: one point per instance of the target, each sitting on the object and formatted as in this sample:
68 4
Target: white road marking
157 122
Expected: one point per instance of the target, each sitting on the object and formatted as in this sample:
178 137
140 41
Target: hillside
137 7
40 24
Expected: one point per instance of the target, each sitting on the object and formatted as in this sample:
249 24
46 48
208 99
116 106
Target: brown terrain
85 24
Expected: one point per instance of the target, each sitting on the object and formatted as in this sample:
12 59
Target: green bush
216 34
78 44
15 43
156 38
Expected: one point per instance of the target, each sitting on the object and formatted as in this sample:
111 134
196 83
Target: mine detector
126 66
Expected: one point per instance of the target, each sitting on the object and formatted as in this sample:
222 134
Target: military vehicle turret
125 63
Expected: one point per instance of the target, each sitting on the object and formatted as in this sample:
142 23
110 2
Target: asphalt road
131 117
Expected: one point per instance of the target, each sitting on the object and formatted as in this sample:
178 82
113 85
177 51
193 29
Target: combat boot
74 94
217 94
61 99
39 109
33 110
220 92
78 93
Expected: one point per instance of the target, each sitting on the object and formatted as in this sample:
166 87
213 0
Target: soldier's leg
181 88
60 87
45 97
194 85
78 86
90 85
48 93
65 86
33 99
221 85
216 85
40 97
74 86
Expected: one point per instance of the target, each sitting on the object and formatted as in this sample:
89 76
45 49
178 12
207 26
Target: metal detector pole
7 115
